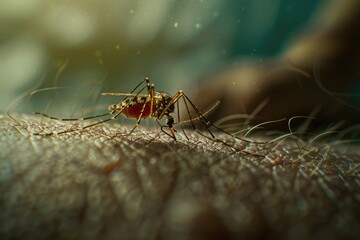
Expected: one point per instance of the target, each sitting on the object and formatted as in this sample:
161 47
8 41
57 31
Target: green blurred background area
110 45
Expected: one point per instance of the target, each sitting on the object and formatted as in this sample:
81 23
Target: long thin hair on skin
29 96
247 117
201 119
303 129
305 126
261 124
330 131
93 95
56 84
333 130
257 110
59 72
334 95
350 130
311 142
339 139
308 120
252 115
299 136
19 99
232 126
337 96
28 93
324 155
250 129
13 104
293 135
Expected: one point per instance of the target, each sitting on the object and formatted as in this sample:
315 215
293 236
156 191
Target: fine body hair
99 183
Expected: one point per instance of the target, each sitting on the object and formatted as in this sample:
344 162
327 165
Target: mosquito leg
212 138
82 128
230 146
178 119
146 79
73 130
132 94
136 126
204 121
174 100
71 119
138 120
207 123
151 92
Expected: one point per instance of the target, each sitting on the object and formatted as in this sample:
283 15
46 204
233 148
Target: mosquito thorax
163 103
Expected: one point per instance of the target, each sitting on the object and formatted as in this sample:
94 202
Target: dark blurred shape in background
113 44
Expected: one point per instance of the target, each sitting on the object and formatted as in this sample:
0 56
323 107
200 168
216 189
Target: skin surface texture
101 184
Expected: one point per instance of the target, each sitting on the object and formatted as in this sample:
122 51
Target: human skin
99 183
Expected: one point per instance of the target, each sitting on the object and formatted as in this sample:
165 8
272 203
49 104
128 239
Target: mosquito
153 104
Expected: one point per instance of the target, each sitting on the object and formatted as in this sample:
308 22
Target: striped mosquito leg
203 120
207 123
151 93
178 119
71 119
146 79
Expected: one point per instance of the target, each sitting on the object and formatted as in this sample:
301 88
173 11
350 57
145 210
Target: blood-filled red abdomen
135 110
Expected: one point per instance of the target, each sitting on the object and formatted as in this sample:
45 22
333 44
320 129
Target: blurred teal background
110 45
